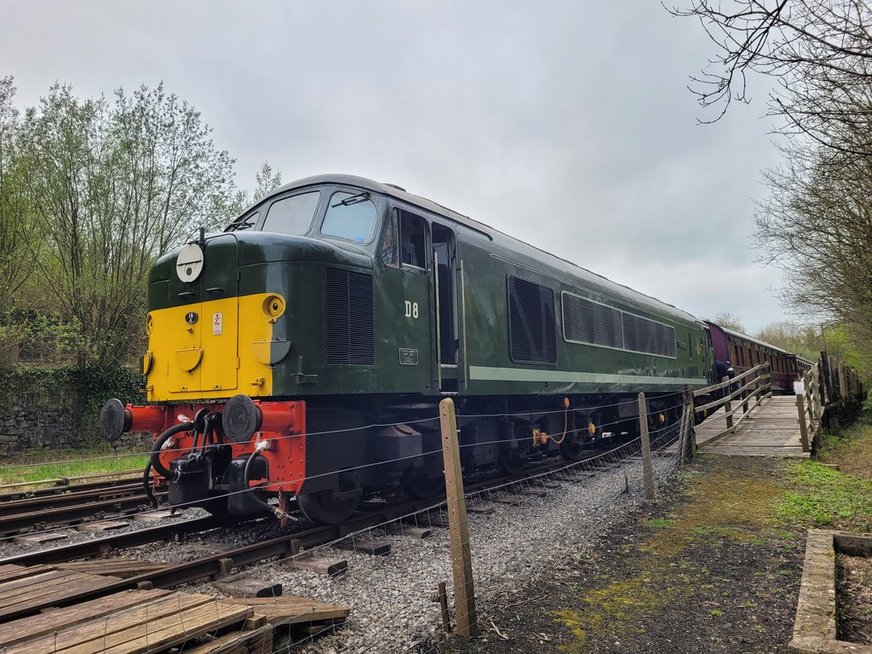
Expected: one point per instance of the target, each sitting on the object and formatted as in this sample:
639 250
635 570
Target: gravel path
393 599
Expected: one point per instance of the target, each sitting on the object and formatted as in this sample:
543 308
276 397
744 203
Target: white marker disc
189 263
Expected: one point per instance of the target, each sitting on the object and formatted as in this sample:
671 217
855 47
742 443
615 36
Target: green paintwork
294 267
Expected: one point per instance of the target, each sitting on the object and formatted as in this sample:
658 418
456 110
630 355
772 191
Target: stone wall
28 422
134 441
59 407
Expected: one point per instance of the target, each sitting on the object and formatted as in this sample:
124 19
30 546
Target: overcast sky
565 124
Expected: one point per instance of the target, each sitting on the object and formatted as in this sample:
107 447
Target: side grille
642 335
348 317
531 322
588 322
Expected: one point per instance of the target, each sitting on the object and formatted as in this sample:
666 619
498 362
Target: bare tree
729 320
817 226
819 52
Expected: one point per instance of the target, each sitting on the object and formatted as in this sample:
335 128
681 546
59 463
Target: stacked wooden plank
146 621
23 590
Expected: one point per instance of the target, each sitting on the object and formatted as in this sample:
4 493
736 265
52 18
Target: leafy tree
730 321
113 184
804 340
17 234
266 181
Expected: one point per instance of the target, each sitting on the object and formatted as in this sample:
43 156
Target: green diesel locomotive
303 352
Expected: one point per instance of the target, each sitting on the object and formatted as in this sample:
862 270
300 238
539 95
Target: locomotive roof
623 292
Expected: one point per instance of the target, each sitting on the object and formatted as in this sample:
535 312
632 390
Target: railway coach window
350 216
291 215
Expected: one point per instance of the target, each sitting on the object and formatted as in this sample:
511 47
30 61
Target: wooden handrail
724 384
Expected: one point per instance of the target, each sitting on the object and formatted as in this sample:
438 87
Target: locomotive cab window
388 248
413 240
350 216
291 215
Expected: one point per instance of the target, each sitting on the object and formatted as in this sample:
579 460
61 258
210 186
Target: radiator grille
642 335
348 317
531 322
588 322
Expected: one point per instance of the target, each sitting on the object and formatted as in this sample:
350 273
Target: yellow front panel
213 358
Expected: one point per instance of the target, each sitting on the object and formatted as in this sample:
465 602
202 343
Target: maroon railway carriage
742 352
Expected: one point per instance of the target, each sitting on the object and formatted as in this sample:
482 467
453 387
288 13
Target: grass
735 502
821 495
39 465
825 497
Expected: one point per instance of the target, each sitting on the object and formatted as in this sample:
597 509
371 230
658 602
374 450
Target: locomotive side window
413 240
350 216
291 215
532 329
388 249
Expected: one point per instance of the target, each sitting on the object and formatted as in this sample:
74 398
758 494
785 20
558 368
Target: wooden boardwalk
771 429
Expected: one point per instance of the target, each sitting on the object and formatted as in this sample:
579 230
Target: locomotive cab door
445 307
406 357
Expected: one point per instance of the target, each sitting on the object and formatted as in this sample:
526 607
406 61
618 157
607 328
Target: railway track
61 485
282 546
73 505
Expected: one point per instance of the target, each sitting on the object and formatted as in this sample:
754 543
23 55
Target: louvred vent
531 322
348 317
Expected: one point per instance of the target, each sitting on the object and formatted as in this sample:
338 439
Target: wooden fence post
728 405
803 429
843 385
647 471
461 557
690 446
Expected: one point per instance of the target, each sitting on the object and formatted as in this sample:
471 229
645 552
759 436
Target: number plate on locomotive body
408 356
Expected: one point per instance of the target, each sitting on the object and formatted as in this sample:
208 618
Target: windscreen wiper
235 227
353 199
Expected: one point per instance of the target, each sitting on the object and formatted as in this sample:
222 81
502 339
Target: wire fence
675 399
518 529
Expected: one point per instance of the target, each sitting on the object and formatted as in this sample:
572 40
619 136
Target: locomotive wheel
511 462
328 507
422 486
217 506
571 449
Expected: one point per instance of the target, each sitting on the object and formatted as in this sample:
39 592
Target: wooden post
461 557
443 605
803 429
728 405
843 385
690 445
647 471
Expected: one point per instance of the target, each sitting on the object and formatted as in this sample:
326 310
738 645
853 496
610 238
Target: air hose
146 482
565 423
159 443
276 511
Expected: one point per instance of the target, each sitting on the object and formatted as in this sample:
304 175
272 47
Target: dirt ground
708 567
855 598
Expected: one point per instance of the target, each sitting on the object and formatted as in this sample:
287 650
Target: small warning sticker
217 324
